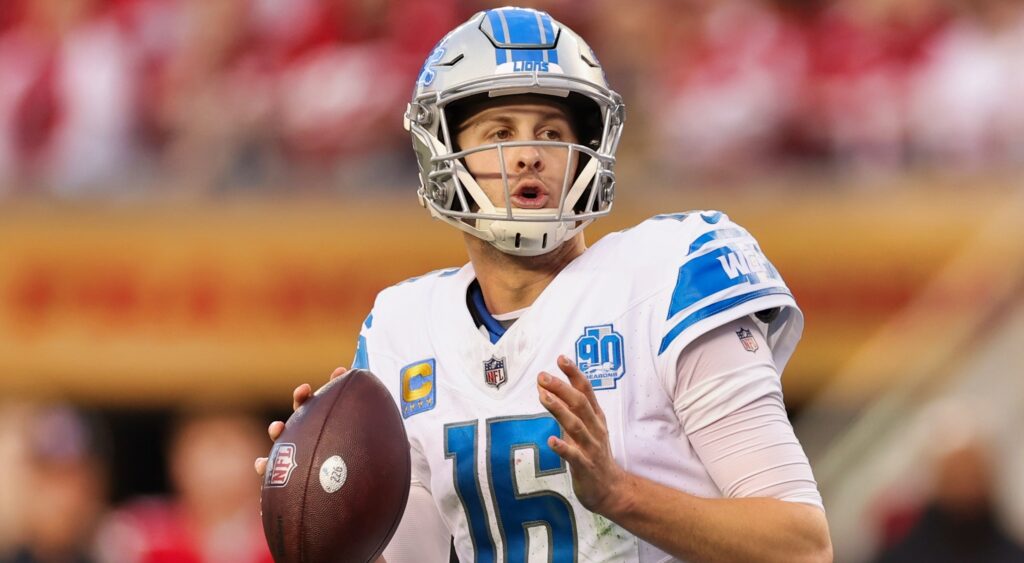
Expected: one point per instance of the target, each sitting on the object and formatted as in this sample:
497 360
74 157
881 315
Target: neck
510 283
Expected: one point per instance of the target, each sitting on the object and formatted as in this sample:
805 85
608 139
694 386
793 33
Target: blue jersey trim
368 323
362 360
673 216
714 309
712 272
712 217
442 273
494 328
714 235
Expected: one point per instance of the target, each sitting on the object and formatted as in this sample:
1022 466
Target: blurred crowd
57 501
951 507
126 96
63 498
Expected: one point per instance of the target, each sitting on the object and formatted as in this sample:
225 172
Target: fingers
567 451
578 381
570 414
338 372
304 392
300 395
581 402
568 394
275 429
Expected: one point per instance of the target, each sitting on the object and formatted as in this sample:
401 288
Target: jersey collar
483 317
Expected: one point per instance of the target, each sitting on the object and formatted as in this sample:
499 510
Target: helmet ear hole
457 206
587 120
604 183
581 205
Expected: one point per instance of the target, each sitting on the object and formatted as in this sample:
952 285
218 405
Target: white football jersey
623 311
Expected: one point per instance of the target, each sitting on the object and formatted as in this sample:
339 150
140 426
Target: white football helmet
510 51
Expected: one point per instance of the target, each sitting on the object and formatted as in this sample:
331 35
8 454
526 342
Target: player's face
536 174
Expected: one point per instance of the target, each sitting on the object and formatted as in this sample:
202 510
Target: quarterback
565 403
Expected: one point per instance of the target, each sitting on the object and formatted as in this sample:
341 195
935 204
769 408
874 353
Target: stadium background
199 200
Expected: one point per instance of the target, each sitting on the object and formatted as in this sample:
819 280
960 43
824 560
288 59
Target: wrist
621 498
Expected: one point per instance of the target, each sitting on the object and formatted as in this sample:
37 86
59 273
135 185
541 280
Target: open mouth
530 194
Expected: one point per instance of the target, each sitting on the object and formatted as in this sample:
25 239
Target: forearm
750 453
727 529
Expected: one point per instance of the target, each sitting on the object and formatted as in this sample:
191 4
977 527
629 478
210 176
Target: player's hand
300 395
596 477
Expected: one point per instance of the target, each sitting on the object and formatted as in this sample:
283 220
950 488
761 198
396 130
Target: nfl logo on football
282 463
494 372
747 339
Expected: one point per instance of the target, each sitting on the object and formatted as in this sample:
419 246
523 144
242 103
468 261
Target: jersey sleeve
390 326
728 399
373 354
362 358
715 272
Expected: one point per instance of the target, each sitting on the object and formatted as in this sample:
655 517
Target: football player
616 403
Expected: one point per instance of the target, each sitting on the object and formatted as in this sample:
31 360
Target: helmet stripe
547 36
512 27
498 30
523 28
496 26
549 32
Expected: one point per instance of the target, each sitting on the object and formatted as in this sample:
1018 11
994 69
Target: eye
551 135
501 134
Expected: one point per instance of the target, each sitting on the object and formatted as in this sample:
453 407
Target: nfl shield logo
747 339
281 464
494 372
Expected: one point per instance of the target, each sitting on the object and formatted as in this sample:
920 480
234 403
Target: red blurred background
199 200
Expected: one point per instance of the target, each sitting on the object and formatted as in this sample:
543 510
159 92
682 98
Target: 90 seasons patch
600 356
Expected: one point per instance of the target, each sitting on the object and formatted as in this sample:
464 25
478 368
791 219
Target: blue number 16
516 512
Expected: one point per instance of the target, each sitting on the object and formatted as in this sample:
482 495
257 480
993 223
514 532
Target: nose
526 159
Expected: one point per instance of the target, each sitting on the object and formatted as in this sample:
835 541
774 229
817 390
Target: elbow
821 549
823 554
817 539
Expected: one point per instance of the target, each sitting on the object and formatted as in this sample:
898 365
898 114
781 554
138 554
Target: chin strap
527 238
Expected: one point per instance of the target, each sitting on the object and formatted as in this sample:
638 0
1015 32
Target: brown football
337 478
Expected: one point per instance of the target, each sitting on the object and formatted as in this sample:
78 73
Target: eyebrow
503 119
